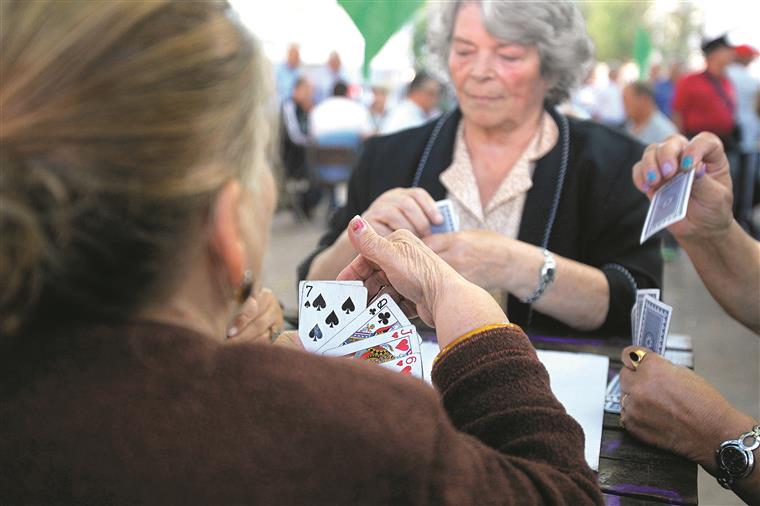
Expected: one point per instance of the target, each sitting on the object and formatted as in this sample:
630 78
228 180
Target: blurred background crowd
662 68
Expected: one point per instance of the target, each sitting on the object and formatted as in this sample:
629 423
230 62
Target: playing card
382 315
411 365
382 348
668 205
612 396
362 344
325 307
450 218
653 325
635 316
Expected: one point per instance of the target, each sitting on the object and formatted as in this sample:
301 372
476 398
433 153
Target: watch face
733 460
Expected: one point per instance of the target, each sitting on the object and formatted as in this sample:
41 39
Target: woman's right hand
410 209
709 209
443 298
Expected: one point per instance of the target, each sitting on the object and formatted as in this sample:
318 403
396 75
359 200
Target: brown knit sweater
147 413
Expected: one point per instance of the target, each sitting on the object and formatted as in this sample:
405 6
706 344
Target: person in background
294 139
422 97
645 121
287 73
326 77
135 219
664 88
747 89
378 109
609 101
340 115
554 237
671 406
705 101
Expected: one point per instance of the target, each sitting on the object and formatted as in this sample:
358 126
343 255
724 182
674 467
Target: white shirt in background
405 115
609 105
747 88
340 115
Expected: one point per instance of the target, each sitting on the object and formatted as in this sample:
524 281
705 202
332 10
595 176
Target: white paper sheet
578 380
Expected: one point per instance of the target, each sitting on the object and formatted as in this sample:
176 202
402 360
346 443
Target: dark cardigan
153 414
598 221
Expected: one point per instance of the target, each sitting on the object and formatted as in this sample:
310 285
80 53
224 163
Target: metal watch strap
545 277
746 444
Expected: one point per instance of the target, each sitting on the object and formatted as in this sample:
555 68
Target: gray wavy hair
556 28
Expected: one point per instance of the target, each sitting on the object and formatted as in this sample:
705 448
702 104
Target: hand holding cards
334 320
650 324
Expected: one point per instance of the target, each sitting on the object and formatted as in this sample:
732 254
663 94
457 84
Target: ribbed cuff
476 348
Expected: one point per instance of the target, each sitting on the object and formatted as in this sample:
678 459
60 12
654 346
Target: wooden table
630 472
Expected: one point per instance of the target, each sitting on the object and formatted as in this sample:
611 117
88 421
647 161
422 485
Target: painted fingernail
667 168
651 176
357 224
232 332
645 187
686 162
701 170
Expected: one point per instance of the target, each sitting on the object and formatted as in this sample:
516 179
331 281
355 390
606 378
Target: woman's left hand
480 256
258 319
672 407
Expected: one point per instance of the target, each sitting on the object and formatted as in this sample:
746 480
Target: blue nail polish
667 168
686 162
651 176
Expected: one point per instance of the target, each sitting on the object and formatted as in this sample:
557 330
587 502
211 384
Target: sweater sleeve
615 223
496 394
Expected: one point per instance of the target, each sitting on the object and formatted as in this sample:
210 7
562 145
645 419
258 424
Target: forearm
495 389
332 260
579 296
729 266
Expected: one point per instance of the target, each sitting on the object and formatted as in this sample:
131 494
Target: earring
243 291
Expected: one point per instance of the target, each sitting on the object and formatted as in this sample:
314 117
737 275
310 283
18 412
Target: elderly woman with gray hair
550 221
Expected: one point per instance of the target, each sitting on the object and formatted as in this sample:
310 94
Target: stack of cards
668 205
335 320
650 324
450 218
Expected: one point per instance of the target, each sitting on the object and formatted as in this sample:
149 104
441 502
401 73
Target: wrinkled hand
443 298
709 210
478 255
410 209
259 318
671 407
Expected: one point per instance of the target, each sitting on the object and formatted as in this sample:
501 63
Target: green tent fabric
642 47
377 21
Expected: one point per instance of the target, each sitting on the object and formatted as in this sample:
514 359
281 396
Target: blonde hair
120 121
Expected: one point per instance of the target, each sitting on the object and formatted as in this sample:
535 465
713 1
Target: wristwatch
735 457
546 276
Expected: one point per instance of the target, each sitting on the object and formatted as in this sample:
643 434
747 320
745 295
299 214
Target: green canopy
377 21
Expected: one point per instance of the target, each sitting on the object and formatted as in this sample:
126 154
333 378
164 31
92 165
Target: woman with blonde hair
136 204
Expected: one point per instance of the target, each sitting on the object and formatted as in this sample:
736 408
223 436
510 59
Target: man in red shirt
705 101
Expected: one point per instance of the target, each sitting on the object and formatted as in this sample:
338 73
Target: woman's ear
226 235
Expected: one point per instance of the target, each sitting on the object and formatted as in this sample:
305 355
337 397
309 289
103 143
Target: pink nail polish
358 224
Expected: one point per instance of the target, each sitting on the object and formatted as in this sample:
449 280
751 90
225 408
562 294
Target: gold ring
622 401
622 422
637 357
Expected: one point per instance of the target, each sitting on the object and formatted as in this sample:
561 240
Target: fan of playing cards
650 324
335 320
